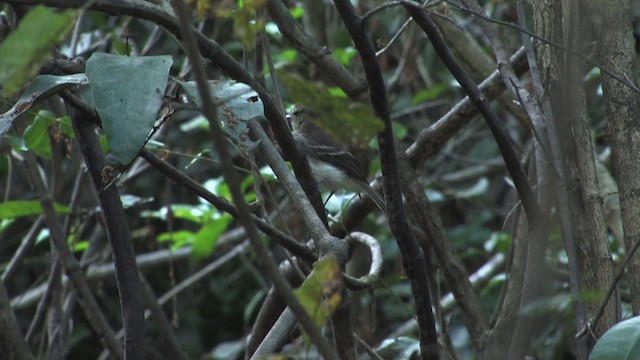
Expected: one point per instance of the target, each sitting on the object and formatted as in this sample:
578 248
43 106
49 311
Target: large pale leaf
128 93
24 51
236 103
40 88
621 342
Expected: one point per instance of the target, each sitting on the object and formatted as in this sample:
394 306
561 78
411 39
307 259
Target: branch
87 301
593 322
455 276
318 55
501 136
117 229
412 255
232 179
12 342
296 248
568 50
325 243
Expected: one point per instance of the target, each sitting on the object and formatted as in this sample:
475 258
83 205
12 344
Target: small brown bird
333 166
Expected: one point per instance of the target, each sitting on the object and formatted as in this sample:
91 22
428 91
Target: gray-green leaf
128 93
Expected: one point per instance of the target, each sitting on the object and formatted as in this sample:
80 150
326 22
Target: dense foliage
503 232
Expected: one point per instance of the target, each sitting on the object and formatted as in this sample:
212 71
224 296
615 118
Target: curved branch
412 255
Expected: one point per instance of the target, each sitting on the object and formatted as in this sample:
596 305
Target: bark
587 244
611 25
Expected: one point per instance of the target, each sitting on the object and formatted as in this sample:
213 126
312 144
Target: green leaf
128 92
19 208
352 123
345 55
621 342
24 51
40 88
297 12
65 126
207 237
122 47
177 239
36 135
80 246
285 57
429 94
320 292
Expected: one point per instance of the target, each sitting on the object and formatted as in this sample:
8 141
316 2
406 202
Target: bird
333 166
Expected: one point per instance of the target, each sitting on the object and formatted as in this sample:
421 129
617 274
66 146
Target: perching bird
333 166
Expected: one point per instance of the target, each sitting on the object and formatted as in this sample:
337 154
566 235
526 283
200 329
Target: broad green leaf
345 55
81 246
64 123
429 94
128 92
284 57
207 237
36 135
352 123
40 88
320 293
621 342
297 12
19 208
122 47
24 51
218 187
177 239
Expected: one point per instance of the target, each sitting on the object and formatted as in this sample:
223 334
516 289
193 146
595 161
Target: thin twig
550 42
612 287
